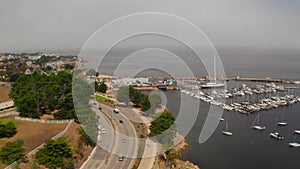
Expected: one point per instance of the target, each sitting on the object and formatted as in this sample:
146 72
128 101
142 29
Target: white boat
294 144
213 84
226 132
282 124
297 132
276 135
256 124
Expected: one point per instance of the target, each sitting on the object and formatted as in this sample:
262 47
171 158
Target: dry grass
80 151
32 133
4 91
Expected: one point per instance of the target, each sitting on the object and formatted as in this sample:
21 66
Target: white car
103 131
116 111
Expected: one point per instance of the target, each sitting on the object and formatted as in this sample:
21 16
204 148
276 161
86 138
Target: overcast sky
65 25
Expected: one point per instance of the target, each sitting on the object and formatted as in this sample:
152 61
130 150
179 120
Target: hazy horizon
65 26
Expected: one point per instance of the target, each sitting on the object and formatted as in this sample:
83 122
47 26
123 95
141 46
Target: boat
213 84
258 126
294 144
226 132
297 132
276 135
282 124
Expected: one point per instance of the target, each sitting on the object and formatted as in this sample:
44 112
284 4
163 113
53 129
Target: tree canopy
12 151
7 129
164 129
91 72
101 87
147 102
37 94
55 154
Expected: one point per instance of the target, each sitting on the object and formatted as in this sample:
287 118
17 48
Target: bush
12 151
55 154
7 129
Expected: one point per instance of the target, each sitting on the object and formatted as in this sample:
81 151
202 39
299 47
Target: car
121 121
121 158
116 111
103 131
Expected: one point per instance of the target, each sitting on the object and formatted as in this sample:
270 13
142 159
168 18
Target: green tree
37 94
55 154
164 129
123 94
91 72
12 151
102 87
7 129
85 138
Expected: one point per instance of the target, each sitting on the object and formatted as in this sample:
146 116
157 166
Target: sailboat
282 123
258 126
213 84
226 132
294 144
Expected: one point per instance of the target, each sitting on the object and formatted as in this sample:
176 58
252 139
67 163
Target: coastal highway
99 155
119 139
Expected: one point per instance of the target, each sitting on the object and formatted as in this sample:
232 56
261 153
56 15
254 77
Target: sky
65 25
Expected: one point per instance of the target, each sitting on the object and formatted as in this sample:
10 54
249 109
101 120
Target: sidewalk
149 155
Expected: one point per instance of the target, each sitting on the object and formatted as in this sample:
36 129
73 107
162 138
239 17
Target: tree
7 129
85 138
123 94
14 77
91 72
12 151
69 67
102 87
55 154
164 129
37 94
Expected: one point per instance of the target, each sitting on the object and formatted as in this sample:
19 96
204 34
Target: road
119 140
100 155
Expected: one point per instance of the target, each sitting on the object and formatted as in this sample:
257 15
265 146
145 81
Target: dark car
117 111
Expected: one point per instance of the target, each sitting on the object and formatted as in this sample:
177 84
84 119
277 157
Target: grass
5 121
101 98
33 134
141 149
80 151
4 91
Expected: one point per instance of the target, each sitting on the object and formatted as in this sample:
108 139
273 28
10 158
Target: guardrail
42 120
32 152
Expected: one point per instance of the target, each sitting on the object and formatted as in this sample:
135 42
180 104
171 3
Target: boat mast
226 125
215 69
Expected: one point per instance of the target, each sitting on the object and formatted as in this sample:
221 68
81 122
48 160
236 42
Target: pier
238 78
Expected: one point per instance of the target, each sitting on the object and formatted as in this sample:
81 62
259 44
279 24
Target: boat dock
238 78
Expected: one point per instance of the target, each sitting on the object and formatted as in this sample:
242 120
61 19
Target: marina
270 90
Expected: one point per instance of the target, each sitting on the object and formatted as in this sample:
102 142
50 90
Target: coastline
179 148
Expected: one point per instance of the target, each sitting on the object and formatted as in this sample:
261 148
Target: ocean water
247 148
